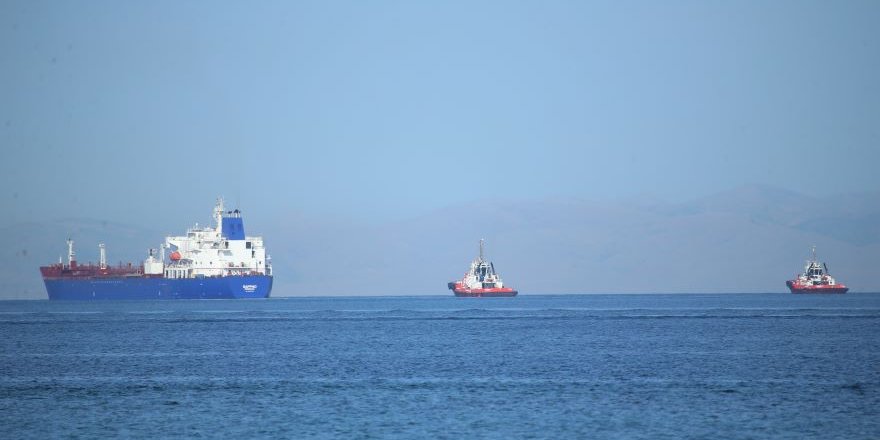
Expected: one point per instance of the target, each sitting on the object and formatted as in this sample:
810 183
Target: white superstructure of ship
221 250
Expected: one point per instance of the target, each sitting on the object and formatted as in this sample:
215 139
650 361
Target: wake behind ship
218 262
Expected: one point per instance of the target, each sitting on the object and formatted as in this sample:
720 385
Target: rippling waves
591 366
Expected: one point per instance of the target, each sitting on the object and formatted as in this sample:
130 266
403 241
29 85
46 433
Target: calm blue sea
592 366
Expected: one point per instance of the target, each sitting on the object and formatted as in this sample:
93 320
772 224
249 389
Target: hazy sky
380 110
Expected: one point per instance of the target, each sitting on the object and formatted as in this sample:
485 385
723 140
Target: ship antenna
814 252
481 249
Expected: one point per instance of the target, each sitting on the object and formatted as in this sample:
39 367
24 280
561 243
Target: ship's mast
481 249
218 215
103 261
71 256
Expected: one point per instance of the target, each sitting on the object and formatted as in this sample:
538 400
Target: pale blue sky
382 110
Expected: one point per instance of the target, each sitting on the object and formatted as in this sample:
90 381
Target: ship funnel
232 226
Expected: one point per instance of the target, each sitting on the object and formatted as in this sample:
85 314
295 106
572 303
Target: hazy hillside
746 240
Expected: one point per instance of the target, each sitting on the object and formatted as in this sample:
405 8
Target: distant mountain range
750 239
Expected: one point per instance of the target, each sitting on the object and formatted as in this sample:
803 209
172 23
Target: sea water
588 366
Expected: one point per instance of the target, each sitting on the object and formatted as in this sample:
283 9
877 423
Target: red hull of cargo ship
796 287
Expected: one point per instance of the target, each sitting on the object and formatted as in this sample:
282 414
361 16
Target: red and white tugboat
815 279
481 280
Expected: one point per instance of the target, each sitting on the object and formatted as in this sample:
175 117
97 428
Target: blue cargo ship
218 262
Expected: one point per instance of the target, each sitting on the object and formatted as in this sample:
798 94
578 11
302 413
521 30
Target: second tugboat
815 279
481 280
